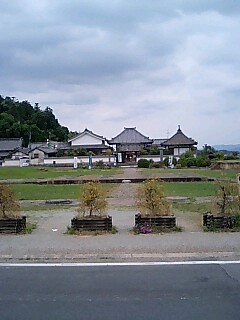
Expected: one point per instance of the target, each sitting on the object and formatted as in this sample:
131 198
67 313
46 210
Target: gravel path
49 241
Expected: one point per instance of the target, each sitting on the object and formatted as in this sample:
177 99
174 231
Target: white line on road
117 264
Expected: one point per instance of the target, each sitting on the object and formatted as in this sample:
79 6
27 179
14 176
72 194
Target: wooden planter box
13 225
92 223
158 221
211 221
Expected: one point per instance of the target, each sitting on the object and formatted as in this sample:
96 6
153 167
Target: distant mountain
227 147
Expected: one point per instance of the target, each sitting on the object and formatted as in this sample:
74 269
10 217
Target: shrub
99 164
157 165
8 204
92 200
226 203
203 162
143 163
151 199
187 162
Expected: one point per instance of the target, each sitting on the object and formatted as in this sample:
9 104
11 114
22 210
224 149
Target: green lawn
45 192
190 189
48 192
46 173
192 207
218 174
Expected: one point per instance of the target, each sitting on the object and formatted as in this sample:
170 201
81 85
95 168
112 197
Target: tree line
22 120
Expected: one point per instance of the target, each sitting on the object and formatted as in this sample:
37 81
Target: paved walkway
50 243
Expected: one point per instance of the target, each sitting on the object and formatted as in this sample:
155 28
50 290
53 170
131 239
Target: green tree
92 200
151 199
21 119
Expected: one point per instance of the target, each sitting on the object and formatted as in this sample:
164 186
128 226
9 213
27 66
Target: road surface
188 291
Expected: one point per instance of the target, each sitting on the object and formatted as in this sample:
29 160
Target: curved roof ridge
179 138
130 135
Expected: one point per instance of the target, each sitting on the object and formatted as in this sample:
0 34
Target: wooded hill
21 119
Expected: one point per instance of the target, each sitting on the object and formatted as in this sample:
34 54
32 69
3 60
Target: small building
8 146
179 144
38 154
89 141
20 153
129 143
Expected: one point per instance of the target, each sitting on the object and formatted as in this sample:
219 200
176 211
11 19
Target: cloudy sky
106 65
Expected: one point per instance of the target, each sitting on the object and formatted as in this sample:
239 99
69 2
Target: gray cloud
151 64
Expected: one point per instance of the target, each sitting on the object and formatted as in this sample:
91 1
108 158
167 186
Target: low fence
81 160
211 221
59 161
13 225
158 221
92 224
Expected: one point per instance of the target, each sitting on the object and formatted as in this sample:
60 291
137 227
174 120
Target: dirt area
121 200
123 195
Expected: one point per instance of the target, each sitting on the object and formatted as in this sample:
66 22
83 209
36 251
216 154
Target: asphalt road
120 292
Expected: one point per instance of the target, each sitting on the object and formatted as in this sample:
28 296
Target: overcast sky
106 65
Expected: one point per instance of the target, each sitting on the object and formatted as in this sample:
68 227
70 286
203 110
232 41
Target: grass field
218 174
192 207
190 189
47 192
46 173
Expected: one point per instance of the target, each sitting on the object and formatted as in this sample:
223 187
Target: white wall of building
155 158
180 151
80 160
68 161
86 139
15 163
11 163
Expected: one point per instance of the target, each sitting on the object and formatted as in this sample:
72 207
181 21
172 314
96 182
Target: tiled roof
34 145
47 150
4 154
179 138
158 142
10 144
130 135
23 150
52 144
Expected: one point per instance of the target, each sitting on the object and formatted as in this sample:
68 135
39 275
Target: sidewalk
50 243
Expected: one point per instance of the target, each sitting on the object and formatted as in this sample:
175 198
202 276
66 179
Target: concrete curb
124 257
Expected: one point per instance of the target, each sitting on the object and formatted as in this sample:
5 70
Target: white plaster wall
80 160
180 151
11 163
85 140
155 158
60 160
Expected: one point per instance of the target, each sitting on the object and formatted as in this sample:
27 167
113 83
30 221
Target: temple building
179 143
129 143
